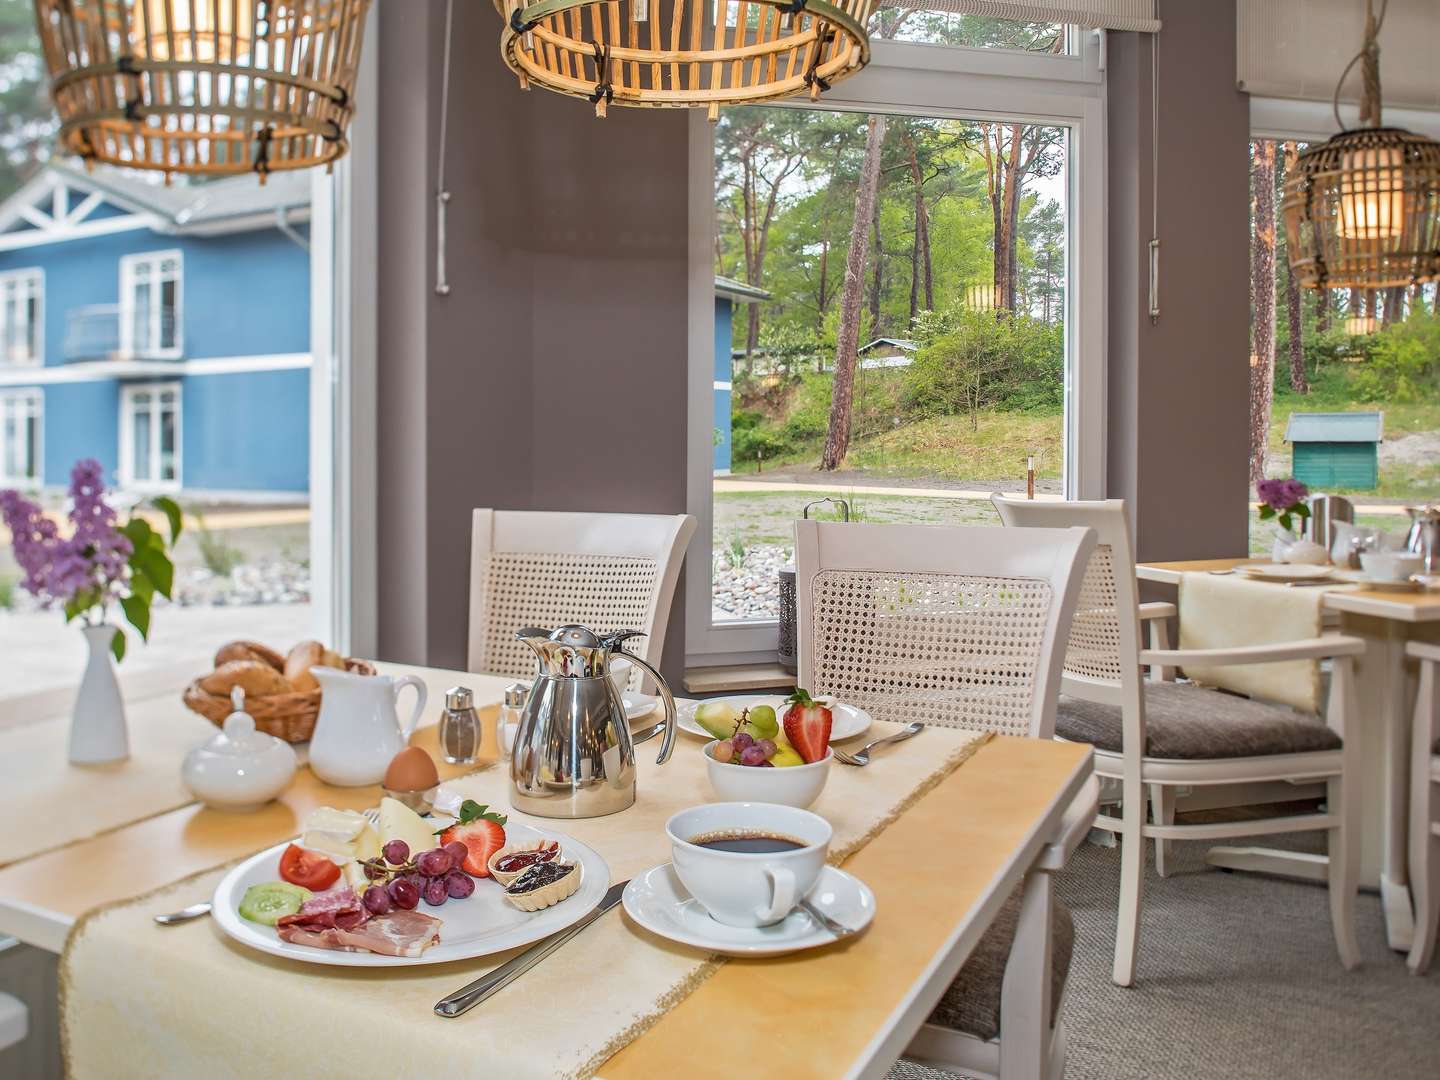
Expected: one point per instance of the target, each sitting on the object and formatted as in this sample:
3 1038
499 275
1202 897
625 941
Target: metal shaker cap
459 698
515 695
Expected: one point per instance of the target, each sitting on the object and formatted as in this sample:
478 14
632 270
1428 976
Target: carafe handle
421 696
667 725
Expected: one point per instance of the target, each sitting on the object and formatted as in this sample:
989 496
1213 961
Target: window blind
1297 49
1107 14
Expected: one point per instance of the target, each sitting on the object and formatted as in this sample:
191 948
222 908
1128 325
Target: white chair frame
658 538
1028 1047
1424 804
1135 771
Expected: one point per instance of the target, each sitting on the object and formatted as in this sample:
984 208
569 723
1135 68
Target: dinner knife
467 997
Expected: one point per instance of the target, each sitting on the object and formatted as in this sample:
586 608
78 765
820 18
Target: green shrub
747 443
971 360
220 558
7 592
1404 363
809 415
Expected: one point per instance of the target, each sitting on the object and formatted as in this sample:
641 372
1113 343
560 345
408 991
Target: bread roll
333 659
249 650
302 658
255 677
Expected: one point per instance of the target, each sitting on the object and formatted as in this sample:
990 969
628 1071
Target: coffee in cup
748 864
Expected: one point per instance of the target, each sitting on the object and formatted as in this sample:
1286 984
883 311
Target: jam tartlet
512 860
543 885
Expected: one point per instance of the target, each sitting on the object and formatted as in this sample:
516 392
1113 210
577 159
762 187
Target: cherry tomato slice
308 869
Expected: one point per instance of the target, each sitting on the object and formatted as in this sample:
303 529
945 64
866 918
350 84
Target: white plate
1285 571
638 705
483 923
658 902
846 721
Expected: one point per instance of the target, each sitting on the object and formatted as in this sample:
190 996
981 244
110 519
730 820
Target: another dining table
1385 691
940 871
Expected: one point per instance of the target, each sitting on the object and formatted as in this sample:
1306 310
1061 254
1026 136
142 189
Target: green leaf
470 811
141 585
1267 512
138 612
157 567
1300 510
138 532
80 603
117 645
171 509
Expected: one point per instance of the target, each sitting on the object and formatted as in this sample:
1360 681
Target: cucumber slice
267 904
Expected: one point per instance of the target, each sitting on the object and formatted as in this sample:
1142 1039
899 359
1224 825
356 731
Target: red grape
767 747
436 892
396 852
723 751
752 755
457 851
377 900
404 893
434 864
741 741
459 884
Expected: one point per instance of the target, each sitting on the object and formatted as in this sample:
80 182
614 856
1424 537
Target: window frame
29 398
128 480
922 80
128 266
35 276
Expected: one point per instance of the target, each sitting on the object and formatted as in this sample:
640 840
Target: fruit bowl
793 785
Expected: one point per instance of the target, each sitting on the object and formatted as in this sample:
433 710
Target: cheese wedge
336 834
399 822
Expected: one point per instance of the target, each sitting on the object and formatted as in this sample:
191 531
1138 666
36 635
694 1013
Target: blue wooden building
1336 450
728 294
162 330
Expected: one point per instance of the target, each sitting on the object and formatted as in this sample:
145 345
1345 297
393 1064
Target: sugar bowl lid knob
239 725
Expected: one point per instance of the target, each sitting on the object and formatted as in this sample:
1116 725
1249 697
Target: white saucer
638 705
658 902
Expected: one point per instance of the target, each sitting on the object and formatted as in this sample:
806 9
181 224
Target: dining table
940 868
1385 686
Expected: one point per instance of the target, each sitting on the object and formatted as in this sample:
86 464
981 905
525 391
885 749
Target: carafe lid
574 651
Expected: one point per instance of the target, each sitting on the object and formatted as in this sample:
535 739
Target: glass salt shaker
459 727
508 722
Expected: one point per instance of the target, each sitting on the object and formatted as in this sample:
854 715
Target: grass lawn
946 448
769 517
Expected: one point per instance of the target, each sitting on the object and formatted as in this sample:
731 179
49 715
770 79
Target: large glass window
1345 383
150 304
21 415
22 294
150 437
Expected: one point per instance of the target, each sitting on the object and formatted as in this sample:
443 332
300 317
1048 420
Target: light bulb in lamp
1361 325
200 31
1371 194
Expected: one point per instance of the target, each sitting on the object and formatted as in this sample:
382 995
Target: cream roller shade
1297 48
1109 14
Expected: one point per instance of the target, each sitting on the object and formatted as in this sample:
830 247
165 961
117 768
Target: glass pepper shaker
459 727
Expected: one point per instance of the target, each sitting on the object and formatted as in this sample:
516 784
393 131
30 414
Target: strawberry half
482 831
807 726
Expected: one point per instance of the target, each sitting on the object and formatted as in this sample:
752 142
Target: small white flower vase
98 732
1284 541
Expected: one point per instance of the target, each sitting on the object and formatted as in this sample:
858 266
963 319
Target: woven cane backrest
949 625
946 649
1094 648
550 589
605 571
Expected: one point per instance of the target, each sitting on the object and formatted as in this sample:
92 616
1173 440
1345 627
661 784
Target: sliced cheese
367 844
399 822
353 874
336 834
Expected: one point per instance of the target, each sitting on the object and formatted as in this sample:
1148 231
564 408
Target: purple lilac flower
1295 492
34 538
1273 494
94 520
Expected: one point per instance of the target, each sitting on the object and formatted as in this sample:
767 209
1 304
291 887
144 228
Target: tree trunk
837 438
920 261
1298 382
1322 310
1394 304
877 269
823 299
1262 300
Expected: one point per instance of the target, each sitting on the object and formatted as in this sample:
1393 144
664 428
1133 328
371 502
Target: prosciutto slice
401 933
337 909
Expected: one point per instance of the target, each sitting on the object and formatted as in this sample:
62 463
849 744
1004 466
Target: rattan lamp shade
684 53
1362 210
203 87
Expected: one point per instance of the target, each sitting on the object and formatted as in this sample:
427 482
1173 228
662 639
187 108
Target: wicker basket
289 716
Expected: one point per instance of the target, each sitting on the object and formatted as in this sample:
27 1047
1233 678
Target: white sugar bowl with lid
239 768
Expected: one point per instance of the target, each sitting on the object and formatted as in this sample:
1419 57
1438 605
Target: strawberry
482 831
807 726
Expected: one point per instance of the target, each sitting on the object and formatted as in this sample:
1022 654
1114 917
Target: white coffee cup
747 889
620 674
1390 565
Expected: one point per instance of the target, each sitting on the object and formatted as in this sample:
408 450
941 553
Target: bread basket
289 716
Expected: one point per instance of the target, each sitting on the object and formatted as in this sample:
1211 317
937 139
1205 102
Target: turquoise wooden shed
1336 450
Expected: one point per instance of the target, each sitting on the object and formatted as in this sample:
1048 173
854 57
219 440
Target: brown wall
553 377
1179 389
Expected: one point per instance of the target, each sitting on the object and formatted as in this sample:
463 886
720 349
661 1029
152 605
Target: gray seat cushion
1188 722
972 1004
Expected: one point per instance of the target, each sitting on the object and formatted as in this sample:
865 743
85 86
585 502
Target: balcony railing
93 333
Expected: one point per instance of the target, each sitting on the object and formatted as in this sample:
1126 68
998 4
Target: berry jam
540 875
518 860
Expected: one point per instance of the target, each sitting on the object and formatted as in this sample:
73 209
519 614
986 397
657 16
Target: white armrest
1074 827
1308 649
1422 650
1158 610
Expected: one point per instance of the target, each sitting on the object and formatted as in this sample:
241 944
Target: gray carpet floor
1237 977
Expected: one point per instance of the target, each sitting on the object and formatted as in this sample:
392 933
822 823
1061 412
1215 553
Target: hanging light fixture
980 297
203 87
1362 210
686 54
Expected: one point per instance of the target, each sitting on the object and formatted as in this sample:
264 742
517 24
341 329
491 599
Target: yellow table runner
192 1003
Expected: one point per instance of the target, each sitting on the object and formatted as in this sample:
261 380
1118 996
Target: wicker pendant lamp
684 53
1362 210
203 87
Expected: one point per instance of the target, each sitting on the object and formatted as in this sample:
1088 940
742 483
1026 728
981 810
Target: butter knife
467 997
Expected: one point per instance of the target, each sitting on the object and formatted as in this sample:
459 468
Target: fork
862 756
